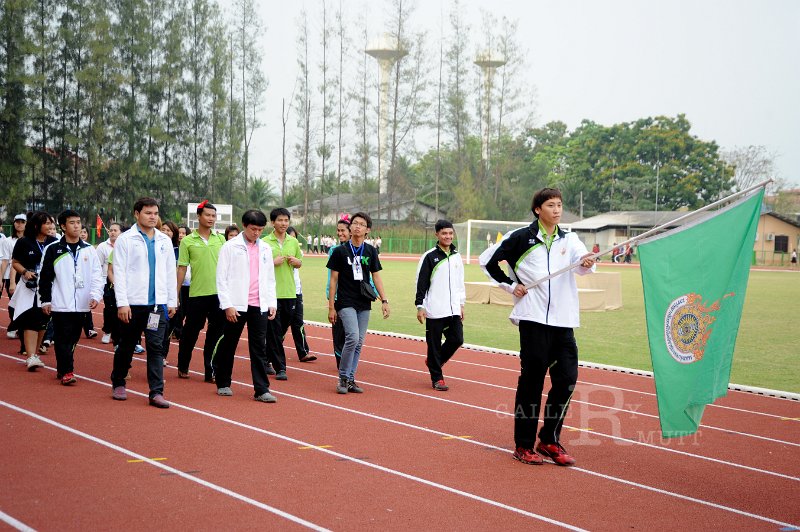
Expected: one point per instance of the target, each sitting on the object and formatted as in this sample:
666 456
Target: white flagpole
652 231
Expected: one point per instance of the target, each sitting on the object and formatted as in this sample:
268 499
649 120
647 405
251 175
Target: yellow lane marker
790 419
315 447
456 437
154 459
576 429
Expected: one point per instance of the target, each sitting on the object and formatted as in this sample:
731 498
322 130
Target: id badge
152 321
78 281
358 274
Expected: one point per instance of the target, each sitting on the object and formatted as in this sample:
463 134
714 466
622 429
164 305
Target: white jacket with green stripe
59 272
440 283
554 302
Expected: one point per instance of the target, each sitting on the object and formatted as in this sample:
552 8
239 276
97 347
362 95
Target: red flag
99 223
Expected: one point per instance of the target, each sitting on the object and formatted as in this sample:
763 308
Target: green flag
694 280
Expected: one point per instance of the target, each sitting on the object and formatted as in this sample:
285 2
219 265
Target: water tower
386 49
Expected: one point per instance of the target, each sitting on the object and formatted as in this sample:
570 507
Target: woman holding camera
26 260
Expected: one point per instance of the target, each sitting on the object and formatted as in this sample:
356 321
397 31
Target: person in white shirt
145 288
6 248
546 315
440 299
110 305
6 271
69 288
247 296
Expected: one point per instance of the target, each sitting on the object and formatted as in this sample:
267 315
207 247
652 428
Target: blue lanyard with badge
78 280
358 274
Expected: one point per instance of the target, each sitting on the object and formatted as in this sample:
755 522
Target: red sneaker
68 379
556 453
527 456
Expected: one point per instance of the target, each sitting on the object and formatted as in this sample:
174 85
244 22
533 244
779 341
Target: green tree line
104 101
647 164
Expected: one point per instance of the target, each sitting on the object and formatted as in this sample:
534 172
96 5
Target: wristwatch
385 301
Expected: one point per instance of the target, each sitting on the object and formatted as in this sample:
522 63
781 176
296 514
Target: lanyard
357 251
74 257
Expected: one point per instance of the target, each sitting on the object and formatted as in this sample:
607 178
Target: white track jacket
233 275
554 302
68 282
440 283
132 270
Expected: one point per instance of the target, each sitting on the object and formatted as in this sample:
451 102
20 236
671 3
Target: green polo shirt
202 257
284 274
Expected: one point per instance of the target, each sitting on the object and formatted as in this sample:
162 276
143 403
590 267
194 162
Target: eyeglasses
360 224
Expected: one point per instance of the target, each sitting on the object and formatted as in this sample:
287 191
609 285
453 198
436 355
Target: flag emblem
687 327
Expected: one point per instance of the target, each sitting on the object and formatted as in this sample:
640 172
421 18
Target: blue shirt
151 261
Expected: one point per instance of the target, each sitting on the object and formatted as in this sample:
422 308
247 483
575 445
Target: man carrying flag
546 314
693 304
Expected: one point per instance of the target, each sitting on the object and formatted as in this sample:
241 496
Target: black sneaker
352 387
270 370
343 385
281 376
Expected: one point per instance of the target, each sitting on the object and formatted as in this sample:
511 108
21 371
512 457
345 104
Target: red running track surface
400 456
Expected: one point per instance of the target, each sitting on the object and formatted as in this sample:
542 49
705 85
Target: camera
33 282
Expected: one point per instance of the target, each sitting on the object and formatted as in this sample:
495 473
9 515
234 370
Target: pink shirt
252 253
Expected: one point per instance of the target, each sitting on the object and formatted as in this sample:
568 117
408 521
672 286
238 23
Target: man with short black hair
144 284
440 301
286 257
70 286
546 315
200 251
246 281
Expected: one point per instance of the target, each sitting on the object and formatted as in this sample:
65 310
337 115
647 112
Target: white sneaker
138 349
34 362
12 334
106 339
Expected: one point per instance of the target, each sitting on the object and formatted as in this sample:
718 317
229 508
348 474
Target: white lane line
588 366
15 523
609 408
301 443
159 465
509 414
596 433
497 448
583 366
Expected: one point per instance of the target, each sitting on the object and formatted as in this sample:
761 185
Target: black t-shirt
28 252
348 290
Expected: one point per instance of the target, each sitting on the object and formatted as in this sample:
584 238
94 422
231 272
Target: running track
400 456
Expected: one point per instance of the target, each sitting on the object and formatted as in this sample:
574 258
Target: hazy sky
732 66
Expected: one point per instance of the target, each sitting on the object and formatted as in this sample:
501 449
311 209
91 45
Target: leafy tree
14 47
260 194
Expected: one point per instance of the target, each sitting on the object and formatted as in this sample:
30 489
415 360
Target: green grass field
767 349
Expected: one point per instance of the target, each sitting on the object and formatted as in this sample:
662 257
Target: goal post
473 237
